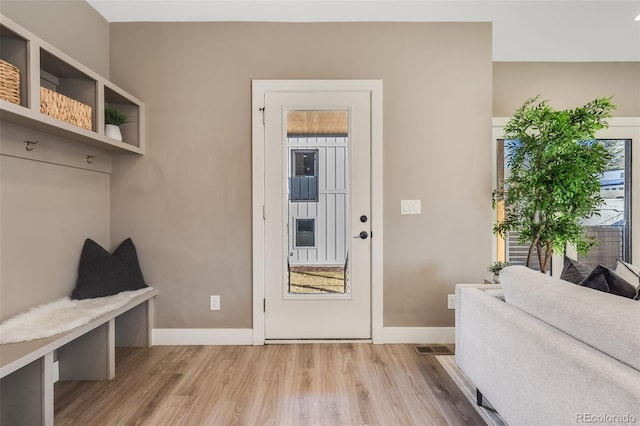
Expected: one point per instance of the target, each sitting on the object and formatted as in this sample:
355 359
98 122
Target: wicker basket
66 109
9 82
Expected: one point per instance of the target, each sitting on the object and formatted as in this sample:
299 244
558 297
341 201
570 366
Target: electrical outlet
451 301
214 303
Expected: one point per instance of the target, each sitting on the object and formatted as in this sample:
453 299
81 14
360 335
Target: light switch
410 207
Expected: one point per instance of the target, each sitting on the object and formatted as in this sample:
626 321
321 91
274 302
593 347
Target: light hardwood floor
305 384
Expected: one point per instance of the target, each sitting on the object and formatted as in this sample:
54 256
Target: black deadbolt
363 219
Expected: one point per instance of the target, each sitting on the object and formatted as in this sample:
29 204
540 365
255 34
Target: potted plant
495 268
555 166
113 118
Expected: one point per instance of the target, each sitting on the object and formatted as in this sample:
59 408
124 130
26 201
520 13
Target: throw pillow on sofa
101 273
574 271
629 272
604 279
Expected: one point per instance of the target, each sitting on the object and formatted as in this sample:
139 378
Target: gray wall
187 202
47 210
72 26
566 85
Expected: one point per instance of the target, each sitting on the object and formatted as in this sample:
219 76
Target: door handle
364 235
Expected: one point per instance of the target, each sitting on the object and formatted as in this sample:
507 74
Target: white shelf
35 58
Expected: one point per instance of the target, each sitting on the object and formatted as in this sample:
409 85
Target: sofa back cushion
604 321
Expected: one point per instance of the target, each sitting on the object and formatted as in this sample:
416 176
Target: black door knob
364 235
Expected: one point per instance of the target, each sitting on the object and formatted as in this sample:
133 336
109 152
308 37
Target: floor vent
434 350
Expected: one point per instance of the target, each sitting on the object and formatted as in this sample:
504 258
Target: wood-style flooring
302 384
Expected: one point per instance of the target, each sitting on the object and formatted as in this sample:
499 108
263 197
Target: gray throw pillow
630 273
604 279
574 271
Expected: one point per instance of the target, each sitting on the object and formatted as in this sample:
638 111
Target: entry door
317 215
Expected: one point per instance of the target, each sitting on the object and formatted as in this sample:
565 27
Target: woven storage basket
9 82
66 109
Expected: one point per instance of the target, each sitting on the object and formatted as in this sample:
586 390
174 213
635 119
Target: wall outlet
451 301
214 303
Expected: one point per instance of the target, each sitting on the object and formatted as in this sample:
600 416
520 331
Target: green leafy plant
498 266
114 116
554 183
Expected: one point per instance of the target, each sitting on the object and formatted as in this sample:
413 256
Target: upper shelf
60 96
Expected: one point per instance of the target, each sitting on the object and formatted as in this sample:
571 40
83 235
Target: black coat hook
28 145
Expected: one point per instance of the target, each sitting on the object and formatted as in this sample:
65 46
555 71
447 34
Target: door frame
259 90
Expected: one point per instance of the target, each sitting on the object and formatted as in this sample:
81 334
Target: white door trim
259 88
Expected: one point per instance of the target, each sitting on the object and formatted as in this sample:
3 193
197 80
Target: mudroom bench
28 370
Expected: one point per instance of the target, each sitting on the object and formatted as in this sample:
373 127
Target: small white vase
496 278
112 132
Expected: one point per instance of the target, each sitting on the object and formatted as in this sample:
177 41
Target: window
611 227
304 163
509 249
305 232
303 183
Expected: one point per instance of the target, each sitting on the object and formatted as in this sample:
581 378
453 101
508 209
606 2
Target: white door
317 215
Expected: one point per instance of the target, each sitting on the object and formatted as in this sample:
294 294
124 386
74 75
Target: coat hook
90 158
28 145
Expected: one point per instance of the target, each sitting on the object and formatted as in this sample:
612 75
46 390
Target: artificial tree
555 166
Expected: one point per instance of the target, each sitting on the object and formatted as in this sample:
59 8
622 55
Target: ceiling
523 30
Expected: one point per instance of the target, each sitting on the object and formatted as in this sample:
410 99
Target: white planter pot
112 132
496 278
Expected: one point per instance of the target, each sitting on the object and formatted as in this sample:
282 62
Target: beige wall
47 209
72 26
187 202
46 212
566 85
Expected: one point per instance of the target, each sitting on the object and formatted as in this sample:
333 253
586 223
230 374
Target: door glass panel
318 202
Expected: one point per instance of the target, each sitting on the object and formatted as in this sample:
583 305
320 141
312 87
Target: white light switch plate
410 207
214 303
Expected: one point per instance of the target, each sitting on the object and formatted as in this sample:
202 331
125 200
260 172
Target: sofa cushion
604 279
604 321
574 271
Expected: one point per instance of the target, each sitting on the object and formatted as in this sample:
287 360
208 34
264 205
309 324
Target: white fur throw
61 315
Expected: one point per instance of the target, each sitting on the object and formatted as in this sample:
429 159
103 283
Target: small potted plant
113 118
495 268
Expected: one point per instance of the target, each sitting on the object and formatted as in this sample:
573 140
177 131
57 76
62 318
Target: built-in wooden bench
27 371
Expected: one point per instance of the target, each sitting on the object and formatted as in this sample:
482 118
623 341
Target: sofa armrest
482 287
521 364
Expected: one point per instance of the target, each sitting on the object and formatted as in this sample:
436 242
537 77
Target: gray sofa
543 351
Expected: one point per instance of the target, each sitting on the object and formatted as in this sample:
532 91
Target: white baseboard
419 334
202 336
244 336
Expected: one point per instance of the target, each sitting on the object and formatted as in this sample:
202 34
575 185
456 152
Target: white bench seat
87 352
